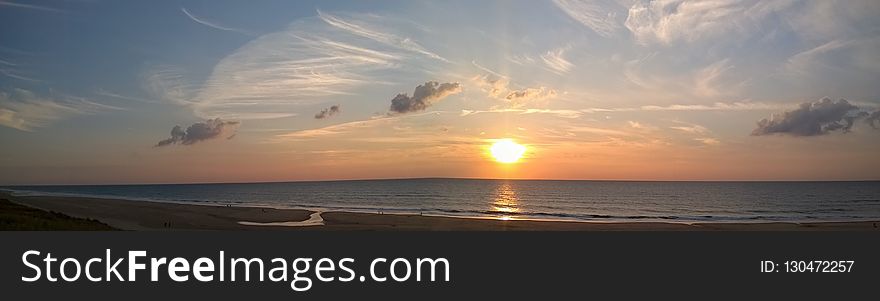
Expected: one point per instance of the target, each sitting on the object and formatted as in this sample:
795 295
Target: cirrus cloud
600 16
26 111
328 57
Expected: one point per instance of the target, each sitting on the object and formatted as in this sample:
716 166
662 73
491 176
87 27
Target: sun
507 151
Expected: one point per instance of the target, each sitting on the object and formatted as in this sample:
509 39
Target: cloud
498 88
597 131
169 83
519 97
31 6
336 129
14 74
423 97
708 141
490 71
840 55
693 129
200 131
495 87
801 60
12 70
636 125
327 112
600 16
874 119
555 59
314 60
378 34
107 93
812 119
718 106
707 82
348 127
666 22
210 23
26 111
559 113
521 59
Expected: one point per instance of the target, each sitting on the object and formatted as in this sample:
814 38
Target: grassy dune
15 217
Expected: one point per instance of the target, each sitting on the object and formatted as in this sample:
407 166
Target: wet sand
150 216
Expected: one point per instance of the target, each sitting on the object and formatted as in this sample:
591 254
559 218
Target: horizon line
437 178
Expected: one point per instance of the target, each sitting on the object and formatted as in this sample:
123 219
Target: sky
109 92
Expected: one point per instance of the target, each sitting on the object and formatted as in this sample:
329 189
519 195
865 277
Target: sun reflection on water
505 203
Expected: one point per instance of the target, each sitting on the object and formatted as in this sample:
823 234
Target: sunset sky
91 92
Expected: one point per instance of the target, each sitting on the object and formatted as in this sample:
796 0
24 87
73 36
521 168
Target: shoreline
153 215
11 193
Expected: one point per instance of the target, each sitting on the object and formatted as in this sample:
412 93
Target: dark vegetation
15 217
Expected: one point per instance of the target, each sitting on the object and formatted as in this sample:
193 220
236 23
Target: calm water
527 199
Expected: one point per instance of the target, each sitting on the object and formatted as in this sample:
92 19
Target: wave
538 200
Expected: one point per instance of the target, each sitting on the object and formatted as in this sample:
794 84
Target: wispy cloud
490 71
575 113
111 94
600 16
691 128
558 113
13 70
211 24
708 141
31 6
13 74
718 106
708 81
335 129
666 22
375 33
26 111
348 127
170 84
521 59
597 131
315 60
497 87
801 61
555 59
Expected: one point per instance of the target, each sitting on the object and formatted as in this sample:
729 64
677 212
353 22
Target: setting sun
507 151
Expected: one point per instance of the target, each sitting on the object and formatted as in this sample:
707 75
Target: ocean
611 201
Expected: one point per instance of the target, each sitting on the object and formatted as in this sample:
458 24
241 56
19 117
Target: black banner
496 265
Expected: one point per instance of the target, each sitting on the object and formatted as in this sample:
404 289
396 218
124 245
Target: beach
156 216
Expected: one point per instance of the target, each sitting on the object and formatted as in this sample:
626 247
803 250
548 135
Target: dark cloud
423 97
200 131
874 119
328 112
814 119
519 98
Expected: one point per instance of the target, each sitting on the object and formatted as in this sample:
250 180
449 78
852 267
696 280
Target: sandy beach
155 216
